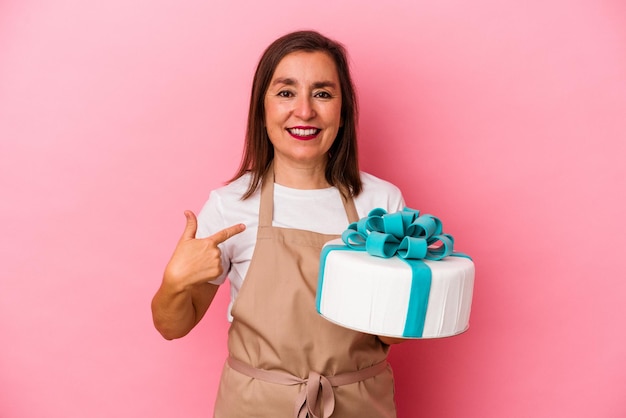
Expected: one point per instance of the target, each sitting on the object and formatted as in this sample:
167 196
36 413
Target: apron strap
348 204
316 384
266 206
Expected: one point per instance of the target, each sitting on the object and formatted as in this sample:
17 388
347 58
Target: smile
303 133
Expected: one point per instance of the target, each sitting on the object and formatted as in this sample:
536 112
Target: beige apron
285 359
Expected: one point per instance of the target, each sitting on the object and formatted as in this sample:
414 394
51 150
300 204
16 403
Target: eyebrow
291 82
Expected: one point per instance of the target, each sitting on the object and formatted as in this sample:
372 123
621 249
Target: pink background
505 119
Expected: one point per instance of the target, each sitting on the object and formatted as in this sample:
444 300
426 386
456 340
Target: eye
323 95
284 93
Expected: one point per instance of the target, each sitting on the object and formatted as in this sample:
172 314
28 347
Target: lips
303 132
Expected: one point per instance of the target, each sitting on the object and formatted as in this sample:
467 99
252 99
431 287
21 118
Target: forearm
175 312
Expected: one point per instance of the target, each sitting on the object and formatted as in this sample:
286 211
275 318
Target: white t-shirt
319 210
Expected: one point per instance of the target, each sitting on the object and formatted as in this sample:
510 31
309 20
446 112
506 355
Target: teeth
303 132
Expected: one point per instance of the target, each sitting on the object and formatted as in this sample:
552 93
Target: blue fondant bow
405 234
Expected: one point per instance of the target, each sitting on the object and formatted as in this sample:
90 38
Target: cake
396 275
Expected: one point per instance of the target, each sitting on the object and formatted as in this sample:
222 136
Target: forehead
306 67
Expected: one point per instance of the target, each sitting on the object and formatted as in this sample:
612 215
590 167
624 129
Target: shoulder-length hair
342 169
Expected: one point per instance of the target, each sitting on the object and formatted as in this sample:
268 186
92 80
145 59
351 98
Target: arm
185 294
176 312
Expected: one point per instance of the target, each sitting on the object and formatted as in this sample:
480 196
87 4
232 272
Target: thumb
190 227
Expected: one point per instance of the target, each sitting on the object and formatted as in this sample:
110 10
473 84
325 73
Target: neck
300 176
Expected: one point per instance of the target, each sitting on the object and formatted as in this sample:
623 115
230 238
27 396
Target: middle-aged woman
298 186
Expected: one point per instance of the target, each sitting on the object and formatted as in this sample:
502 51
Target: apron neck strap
266 208
348 204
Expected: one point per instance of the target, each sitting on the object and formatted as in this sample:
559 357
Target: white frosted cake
393 296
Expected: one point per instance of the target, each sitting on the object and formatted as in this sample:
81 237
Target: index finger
227 233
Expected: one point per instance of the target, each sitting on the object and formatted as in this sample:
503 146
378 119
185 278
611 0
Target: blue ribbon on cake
409 236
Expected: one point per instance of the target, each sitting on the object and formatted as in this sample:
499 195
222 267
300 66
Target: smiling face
303 109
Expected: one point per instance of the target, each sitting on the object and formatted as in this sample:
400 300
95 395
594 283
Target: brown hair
342 170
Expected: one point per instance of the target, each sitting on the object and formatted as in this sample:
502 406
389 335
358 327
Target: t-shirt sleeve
378 193
211 221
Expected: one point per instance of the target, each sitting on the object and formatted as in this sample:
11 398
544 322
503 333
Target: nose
304 107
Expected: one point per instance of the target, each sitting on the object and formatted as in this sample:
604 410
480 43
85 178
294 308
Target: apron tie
307 402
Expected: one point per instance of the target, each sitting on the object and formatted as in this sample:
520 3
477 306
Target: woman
298 186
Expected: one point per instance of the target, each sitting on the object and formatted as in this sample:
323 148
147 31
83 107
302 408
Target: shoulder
378 193
225 207
373 183
231 191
